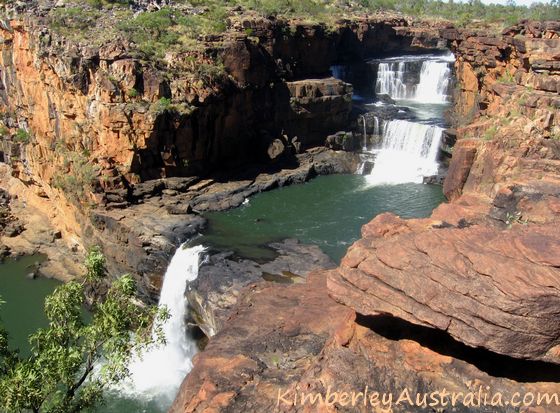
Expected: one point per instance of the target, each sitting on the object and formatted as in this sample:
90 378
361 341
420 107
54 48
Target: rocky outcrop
223 276
524 58
285 344
490 288
316 107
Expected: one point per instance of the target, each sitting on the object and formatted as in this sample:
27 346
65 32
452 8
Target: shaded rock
463 157
317 107
346 141
4 251
13 229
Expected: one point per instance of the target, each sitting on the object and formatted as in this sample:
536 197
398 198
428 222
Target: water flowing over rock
157 374
408 153
422 78
404 141
435 78
390 80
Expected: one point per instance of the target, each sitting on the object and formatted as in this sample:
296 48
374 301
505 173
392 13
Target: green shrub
22 136
73 19
75 359
132 93
490 133
506 78
152 32
209 73
162 105
98 4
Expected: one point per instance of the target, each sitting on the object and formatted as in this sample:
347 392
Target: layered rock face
497 289
80 97
286 345
469 297
484 268
103 130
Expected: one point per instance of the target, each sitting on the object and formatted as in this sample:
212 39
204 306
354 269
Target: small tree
73 361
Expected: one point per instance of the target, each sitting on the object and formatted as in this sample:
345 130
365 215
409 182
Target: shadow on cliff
496 365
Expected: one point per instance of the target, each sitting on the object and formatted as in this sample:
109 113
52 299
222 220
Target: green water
329 212
23 310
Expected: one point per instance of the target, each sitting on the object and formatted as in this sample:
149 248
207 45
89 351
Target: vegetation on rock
77 176
181 25
73 361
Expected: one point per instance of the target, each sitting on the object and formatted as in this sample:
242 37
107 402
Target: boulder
346 141
487 287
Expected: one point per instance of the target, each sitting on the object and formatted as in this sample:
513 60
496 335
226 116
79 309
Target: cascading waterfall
364 146
159 373
409 148
390 80
434 82
408 153
376 126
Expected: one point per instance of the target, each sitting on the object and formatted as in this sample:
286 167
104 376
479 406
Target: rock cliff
99 139
469 297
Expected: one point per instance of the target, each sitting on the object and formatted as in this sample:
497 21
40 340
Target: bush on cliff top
174 29
61 374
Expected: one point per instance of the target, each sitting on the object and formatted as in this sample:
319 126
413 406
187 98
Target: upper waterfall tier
424 78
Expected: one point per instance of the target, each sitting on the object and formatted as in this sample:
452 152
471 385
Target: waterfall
160 371
408 153
364 147
390 80
396 78
434 82
375 126
409 148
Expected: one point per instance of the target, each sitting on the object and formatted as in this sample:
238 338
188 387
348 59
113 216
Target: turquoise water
329 212
23 310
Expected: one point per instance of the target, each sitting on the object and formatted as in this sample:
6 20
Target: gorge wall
114 149
466 300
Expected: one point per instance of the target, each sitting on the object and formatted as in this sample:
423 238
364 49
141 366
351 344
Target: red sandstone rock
291 341
463 157
487 287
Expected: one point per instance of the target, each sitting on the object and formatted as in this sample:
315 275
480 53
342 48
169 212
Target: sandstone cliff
113 148
466 298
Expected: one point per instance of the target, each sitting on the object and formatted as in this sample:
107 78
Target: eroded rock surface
286 341
487 287
223 276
